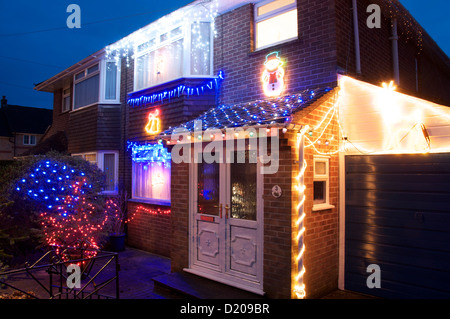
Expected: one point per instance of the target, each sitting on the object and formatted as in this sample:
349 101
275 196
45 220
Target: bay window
108 162
99 83
276 21
180 51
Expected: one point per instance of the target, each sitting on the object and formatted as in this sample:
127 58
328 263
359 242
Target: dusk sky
36 43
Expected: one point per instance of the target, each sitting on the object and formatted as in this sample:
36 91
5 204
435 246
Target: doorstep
191 286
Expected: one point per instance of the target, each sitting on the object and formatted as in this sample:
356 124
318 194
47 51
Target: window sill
150 201
319 207
271 47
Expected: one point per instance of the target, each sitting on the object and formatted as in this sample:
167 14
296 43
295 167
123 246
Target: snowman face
272 65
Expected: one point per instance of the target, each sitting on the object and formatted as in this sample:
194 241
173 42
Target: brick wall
179 193
149 228
321 235
433 70
310 60
60 120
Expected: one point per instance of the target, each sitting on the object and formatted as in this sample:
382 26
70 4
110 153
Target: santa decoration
273 75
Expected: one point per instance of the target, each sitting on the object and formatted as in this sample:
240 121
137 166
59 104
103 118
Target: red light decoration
77 220
142 209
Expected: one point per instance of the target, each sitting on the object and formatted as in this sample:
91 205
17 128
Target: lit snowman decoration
273 75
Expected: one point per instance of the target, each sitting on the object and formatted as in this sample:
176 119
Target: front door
226 220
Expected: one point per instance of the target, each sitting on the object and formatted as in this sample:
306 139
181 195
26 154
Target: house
258 144
87 113
21 128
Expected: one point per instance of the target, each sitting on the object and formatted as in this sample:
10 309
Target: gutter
356 32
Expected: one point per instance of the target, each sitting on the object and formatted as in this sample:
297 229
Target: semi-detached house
352 118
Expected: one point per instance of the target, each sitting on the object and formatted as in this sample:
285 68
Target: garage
397 216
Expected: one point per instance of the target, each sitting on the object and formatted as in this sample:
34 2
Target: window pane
91 158
109 170
243 189
200 48
86 92
26 139
320 168
111 81
163 37
319 192
279 28
151 180
32 140
92 69
273 6
169 62
66 103
79 76
208 188
176 32
145 74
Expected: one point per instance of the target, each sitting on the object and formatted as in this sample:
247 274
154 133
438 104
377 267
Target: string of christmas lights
260 112
176 92
186 16
409 28
77 220
151 153
49 181
142 209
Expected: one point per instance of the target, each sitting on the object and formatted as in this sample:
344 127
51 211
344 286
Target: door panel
208 245
243 250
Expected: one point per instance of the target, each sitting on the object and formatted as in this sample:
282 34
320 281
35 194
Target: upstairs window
98 83
180 51
276 21
87 85
29 140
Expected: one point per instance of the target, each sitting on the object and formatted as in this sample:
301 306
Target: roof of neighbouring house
22 119
256 113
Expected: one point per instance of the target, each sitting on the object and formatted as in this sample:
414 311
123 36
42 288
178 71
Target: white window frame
148 200
64 96
186 36
322 178
102 82
269 15
102 93
100 164
29 139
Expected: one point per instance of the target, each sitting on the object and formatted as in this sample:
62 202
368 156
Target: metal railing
49 275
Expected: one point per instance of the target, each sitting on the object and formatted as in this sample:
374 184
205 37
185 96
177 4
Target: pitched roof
22 119
255 113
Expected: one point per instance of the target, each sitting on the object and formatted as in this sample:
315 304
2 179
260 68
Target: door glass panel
208 188
243 188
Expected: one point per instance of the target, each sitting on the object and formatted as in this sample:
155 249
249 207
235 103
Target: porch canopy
260 113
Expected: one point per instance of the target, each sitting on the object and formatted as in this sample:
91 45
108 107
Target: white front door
226 221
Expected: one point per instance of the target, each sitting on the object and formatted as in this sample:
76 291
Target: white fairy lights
189 18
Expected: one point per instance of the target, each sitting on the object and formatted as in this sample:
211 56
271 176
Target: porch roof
266 112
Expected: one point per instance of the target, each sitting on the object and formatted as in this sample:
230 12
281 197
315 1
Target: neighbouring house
21 128
87 114
282 147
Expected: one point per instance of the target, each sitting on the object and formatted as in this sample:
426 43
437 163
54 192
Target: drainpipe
356 31
394 40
